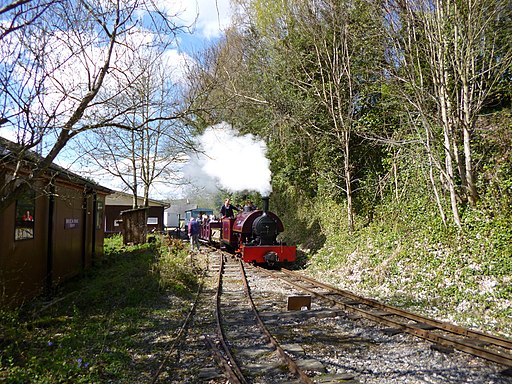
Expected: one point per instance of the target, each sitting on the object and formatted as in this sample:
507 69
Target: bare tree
152 149
21 13
57 70
450 56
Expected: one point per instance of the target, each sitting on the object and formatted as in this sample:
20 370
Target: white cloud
214 17
9 133
177 62
210 17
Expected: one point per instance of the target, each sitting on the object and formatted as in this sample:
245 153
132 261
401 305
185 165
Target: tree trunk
450 176
432 178
471 186
348 183
443 77
467 129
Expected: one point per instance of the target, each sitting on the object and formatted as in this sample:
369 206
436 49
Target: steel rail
220 331
217 355
292 365
492 339
417 330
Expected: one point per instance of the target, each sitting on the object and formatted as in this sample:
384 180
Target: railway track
245 349
444 335
339 339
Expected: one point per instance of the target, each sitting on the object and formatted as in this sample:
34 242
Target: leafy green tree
302 75
330 50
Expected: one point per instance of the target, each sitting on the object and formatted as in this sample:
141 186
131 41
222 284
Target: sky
227 155
210 18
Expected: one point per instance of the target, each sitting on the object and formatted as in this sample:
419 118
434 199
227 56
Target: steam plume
231 161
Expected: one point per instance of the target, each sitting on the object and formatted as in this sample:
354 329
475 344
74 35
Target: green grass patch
106 325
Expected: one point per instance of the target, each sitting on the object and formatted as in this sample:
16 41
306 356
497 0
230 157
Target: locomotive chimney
265 200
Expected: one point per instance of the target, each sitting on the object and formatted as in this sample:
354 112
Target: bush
174 269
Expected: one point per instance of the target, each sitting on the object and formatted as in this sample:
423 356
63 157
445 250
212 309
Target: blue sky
207 20
208 17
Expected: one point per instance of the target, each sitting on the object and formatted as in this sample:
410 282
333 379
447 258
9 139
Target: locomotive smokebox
265 201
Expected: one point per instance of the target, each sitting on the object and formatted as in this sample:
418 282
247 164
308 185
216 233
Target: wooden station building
51 233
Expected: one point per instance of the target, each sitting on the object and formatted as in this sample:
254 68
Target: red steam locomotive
252 236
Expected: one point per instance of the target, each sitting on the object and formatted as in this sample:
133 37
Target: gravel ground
333 346
362 349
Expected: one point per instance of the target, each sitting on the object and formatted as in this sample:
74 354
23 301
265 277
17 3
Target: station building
118 202
49 234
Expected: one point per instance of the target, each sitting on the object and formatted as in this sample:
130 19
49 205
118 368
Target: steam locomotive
252 236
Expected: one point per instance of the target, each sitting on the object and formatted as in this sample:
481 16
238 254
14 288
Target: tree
322 59
152 148
21 13
449 57
345 56
299 74
54 68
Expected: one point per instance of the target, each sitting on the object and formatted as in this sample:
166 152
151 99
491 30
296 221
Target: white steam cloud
230 161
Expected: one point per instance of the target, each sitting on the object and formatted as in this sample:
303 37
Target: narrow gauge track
446 335
240 330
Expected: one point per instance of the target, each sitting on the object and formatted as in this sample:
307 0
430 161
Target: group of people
227 210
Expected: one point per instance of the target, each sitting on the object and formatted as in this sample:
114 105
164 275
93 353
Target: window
99 214
25 212
152 220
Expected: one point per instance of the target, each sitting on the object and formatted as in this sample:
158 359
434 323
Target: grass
110 325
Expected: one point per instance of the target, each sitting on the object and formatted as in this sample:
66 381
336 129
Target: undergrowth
407 257
95 329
